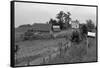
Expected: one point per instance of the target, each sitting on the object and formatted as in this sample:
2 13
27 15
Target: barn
40 27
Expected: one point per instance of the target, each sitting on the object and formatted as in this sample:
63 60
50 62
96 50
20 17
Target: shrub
90 25
84 31
75 37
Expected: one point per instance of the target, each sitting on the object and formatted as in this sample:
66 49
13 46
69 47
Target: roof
23 28
41 27
74 23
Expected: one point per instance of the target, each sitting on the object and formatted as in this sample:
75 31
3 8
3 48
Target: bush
75 37
37 36
19 37
84 31
28 35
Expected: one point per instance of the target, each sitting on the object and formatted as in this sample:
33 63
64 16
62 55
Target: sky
30 13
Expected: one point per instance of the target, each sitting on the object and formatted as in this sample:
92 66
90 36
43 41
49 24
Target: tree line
63 20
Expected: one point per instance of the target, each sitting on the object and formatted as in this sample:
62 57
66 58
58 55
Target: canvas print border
12 62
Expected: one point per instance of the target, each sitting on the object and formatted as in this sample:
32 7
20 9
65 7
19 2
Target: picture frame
52 35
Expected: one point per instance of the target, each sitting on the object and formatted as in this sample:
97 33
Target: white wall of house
75 24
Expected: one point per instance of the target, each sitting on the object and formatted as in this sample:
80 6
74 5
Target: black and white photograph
51 33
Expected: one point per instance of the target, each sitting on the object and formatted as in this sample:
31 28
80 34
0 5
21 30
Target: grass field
89 57
32 48
32 52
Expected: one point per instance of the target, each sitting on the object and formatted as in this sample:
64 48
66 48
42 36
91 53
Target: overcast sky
29 13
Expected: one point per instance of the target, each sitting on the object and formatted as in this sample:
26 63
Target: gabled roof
74 21
41 27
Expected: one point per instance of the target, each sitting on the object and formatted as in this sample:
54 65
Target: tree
67 17
84 30
63 19
90 25
60 16
52 21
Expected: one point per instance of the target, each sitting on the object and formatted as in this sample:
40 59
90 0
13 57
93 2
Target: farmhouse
75 24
